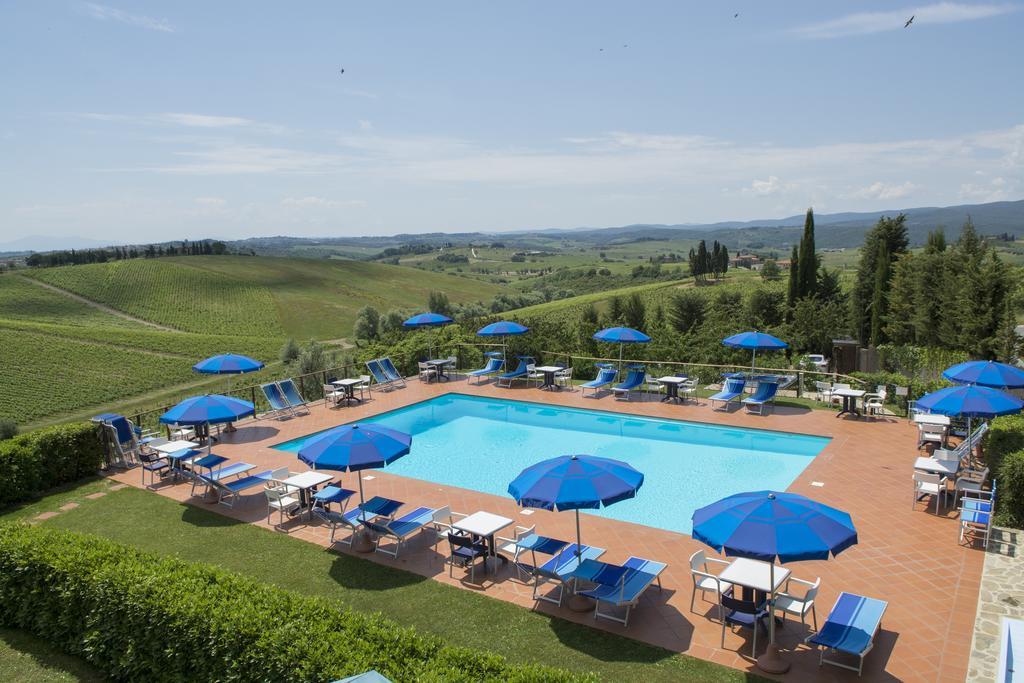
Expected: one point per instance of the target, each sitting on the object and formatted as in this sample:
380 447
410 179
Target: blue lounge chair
229 492
379 376
292 395
400 529
621 587
605 377
850 629
634 380
559 570
391 372
493 366
733 390
764 395
279 406
124 440
976 514
522 371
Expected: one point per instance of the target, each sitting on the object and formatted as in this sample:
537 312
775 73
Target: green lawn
27 659
155 523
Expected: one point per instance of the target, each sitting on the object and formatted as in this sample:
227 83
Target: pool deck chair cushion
850 629
279 406
292 395
764 395
732 390
634 380
391 372
559 568
379 376
493 365
401 528
623 587
521 371
605 377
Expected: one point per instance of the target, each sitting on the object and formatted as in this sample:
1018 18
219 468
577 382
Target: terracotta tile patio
908 557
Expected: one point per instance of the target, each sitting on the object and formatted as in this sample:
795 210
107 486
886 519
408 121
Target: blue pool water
483 443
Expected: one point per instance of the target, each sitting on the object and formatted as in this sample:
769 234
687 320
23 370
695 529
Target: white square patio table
946 468
549 376
932 419
671 383
849 397
484 525
174 446
304 482
348 385
754 574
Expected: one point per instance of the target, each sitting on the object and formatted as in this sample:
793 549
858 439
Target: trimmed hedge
34 462
139 616
1004 455
1005 436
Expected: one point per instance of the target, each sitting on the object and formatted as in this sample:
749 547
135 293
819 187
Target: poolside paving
907 556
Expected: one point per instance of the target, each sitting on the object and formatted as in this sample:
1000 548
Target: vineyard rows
172 294
23 300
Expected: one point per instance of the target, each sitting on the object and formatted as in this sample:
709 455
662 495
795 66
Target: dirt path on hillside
97 305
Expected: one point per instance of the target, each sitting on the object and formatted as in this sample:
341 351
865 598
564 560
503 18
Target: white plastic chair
508 546
532 375
928 483
706 582
444 523
563 378
788 602
281 501
427 371
969 480
688 389
929 433
332 394
823 391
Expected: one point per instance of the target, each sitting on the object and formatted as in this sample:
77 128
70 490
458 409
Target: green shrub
1005 435
8 429
139 616
1010 491
34 462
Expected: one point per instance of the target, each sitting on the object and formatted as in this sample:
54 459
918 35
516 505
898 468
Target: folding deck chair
492 366
764 395
400 529
620 587
732 390
849 629
279 406
291 394
605 377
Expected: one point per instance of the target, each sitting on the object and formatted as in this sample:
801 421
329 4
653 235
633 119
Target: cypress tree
793 293
703 260
808 268
879 298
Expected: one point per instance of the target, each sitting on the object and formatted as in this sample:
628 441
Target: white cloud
862 23
226 159
105 13
883 191
203 120
765 188
319 202
185 120
996 190
212 202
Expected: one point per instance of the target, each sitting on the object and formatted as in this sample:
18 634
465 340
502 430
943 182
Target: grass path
154 523
97 305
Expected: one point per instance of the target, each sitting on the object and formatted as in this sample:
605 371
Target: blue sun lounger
521 372
400 529
229 492
850 629
618 586
292 395
605 377
493 366
279 406
379 376
391 372
732 390
559 570
634 380
764 395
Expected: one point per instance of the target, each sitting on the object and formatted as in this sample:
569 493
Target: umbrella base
770 662
580 603
230 427
362 543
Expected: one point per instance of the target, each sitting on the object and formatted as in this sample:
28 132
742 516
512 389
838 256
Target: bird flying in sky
909 21
736 16
341 71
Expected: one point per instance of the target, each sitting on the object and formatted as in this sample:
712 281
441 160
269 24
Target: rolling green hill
257 296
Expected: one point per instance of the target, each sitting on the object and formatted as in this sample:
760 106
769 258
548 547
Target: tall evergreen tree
807 271
892 231
880 295
702 260
793 293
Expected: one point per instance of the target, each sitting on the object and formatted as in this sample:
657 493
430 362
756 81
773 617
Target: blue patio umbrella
502 328
986 373
970 401
770 526
428 320
227 364
575 482
351 448
620 336
755 341
207 410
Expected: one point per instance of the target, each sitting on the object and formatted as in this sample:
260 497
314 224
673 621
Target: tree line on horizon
71 257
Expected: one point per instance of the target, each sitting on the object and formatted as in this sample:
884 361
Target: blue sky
139 121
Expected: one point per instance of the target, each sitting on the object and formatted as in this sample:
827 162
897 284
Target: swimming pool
483 443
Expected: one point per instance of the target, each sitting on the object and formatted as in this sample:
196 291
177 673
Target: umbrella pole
361 541
770 661
579 603
620 377
753 358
